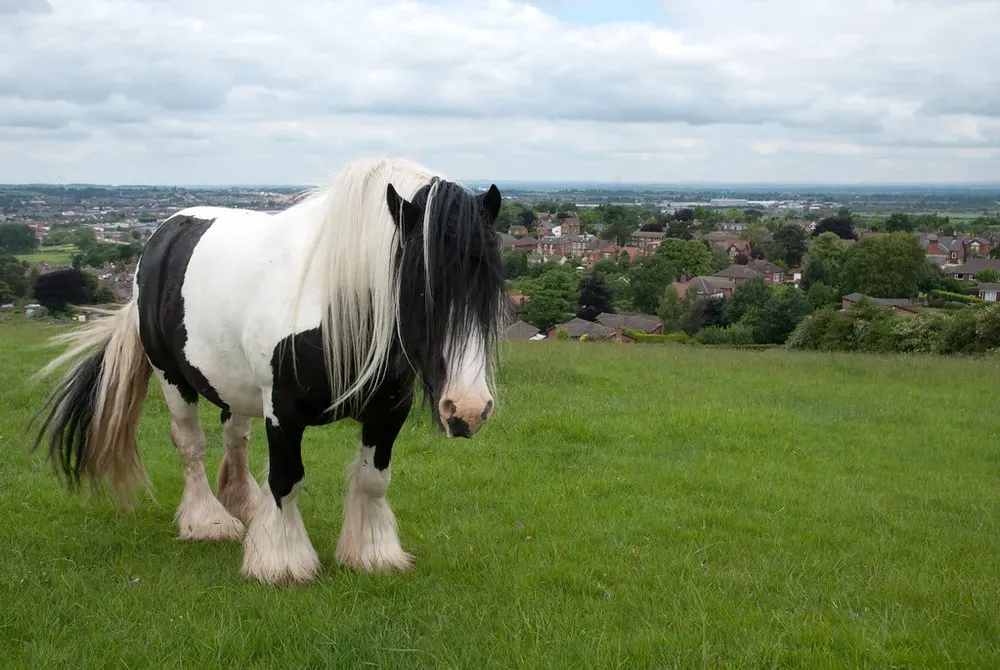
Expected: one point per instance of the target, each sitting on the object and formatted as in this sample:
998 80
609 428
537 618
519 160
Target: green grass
628 505
55 256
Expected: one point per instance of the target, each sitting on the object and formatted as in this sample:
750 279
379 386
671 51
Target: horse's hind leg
238 490
200 515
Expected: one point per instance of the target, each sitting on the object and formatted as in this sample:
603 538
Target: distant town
643 261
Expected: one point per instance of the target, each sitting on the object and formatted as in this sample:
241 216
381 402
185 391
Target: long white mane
352 258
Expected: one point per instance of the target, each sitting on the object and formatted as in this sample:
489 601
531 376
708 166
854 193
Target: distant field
56 256
628 505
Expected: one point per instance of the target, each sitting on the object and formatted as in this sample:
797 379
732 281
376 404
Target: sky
267 92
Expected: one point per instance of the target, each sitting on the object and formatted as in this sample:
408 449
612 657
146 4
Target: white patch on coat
254 279
200 515
277 549
369 538
237 489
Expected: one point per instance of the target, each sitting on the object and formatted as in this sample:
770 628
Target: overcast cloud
257 91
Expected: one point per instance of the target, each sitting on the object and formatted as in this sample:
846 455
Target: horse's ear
491 202
401 207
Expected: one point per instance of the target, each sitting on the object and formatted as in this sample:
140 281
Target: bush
956 297
735 335
562 334
647 338
809 333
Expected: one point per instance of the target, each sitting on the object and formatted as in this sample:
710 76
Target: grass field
627 506
56 256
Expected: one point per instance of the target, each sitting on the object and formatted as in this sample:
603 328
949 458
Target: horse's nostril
450 407
486 411
459 428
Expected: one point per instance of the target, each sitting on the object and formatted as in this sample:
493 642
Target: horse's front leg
369 539
276 549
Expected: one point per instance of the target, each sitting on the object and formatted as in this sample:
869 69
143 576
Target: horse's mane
353 260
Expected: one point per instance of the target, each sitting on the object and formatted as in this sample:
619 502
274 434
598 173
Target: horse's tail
93 413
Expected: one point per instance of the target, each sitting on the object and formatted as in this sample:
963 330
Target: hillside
633 504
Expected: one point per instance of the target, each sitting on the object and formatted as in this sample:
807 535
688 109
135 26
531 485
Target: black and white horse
333 308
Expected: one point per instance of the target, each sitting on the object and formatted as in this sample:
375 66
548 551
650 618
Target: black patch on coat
300 397
160 279
69 421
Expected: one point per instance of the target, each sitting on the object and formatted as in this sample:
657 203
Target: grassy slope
56 256
649 505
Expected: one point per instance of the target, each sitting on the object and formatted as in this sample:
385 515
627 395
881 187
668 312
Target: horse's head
451 293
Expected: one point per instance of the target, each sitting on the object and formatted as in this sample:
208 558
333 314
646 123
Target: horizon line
538 182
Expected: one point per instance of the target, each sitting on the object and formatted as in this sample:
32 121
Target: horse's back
210 285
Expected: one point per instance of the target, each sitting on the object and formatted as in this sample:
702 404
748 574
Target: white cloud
192 92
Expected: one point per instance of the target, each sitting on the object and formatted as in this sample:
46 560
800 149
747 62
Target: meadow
59 256
628 505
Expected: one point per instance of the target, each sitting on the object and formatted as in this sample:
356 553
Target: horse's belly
226 369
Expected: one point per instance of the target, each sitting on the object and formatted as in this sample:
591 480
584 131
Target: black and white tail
93 413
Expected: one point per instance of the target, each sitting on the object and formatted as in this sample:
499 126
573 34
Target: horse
385 281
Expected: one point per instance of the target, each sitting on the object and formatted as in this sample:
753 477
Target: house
706 287
988 292
766 270
969 269
578 327
507 241
543 228
733 248
604 251
518 231
526 245
737 274
942 249
898 306
519 330
644 239
644 323
566 245
569 222
770 272
632 252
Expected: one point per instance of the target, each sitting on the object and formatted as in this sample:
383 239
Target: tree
900 222
84 238
57 290
820 295
789 246
589 218
515 263
688 258
889 266
988 276
782 313
752 215
704 312
682 229
6 294
14 274
606 268
755 234
648 278
618 224
17 238
753 294
824 260
624 261
720 258
842 226
672 310
595 297
552 297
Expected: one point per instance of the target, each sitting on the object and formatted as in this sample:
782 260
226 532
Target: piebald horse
333 308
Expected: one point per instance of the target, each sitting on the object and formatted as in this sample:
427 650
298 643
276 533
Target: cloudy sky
262 91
